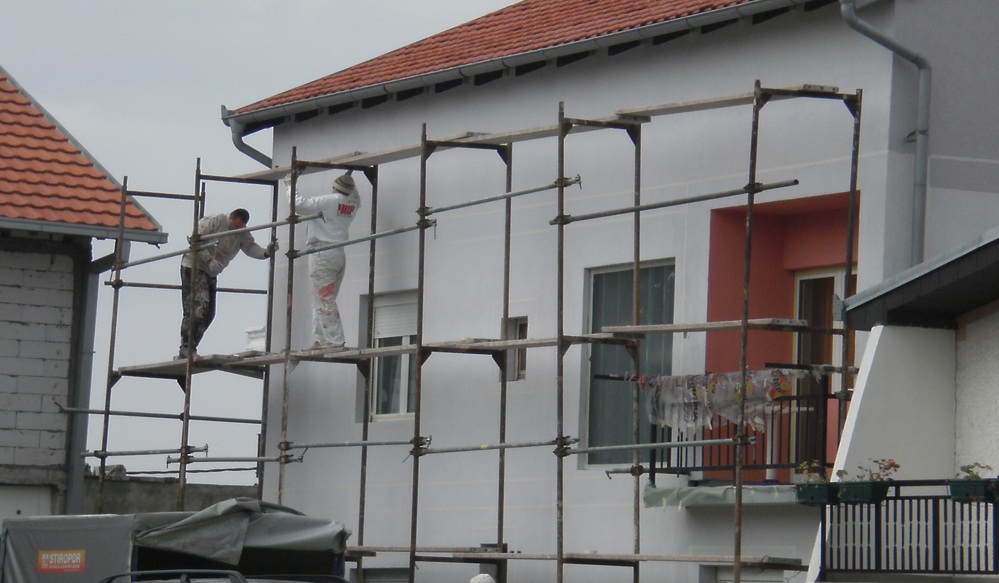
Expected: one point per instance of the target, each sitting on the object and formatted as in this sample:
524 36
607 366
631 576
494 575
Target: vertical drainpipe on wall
82 359
848 11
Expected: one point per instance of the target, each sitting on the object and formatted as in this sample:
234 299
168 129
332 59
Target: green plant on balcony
971 486
870 486
815 489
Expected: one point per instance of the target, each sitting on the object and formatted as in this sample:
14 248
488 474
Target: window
395 325
609 406
818 302
516 358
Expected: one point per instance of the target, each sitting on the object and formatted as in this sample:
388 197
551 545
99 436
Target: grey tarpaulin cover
71 549
65 549
221 531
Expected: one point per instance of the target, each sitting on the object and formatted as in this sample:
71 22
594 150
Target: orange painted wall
816 240
771 290
788 236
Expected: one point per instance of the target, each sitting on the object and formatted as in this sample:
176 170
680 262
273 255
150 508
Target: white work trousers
326 271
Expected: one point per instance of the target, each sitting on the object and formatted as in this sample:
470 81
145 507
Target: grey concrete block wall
36 317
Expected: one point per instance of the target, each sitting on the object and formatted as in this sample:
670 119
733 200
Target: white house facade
445 284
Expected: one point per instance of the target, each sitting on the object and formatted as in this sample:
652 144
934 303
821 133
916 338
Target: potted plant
815 490
870 486
971 486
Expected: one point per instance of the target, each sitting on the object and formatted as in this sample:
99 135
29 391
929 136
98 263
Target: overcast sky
140 84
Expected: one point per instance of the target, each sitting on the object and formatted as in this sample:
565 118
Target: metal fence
912 533
796 429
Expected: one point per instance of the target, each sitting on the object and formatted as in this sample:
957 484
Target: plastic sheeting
690 402
682 497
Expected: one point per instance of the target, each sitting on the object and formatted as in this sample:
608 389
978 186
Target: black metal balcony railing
796 430
918 529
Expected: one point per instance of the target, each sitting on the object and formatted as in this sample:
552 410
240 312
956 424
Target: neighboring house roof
520 37
935 293
49 183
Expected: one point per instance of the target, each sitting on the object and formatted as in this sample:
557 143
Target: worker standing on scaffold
326 267
203 281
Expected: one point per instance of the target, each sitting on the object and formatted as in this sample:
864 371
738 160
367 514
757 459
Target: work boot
185 352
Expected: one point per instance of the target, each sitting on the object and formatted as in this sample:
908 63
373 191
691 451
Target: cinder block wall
36 332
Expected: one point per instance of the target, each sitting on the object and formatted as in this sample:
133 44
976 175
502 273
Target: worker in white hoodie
326 267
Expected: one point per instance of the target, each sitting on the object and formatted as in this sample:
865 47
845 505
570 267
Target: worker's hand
272 248
215 267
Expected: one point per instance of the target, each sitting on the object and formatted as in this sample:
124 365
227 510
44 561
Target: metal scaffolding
257 365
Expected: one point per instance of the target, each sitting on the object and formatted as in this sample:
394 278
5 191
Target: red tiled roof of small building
45 177
530 25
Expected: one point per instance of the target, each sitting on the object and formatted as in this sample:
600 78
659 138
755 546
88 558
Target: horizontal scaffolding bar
208 240
175 286
177 416
254 460
238 179
346 444
317 249
105 454
488 447
331 165
566 219
550 131
667 445
781 324
478 553
167 255
550 186
159 194
814 368
294 219
189 471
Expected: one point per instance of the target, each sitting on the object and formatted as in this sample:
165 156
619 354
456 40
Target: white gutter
922 133
238 122
96 232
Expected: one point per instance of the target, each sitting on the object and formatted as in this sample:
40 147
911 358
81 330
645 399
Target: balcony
797 428
917 529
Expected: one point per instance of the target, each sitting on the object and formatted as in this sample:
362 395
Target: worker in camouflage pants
199 286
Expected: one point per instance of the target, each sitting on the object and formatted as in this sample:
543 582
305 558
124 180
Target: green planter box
863 492
966 491
817 493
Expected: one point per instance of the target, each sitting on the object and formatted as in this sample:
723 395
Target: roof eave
76 143
261 117
873 305
37 226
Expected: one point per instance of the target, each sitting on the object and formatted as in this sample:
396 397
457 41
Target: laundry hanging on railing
689 402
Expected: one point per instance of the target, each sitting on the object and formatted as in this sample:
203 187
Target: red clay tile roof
527 26
45 177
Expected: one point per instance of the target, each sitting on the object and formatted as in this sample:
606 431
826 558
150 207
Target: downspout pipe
238 130
848 11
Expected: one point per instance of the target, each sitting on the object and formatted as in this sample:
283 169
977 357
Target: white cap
482 578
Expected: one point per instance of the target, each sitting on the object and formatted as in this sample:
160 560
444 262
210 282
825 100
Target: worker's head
238 218
345 184
482 578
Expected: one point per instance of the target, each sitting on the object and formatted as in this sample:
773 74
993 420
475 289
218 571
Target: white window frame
394 318
838 274
516 358
591 274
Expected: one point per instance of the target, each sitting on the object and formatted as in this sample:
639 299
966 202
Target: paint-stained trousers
205 289
326 272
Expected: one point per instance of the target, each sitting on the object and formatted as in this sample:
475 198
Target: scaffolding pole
629 336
